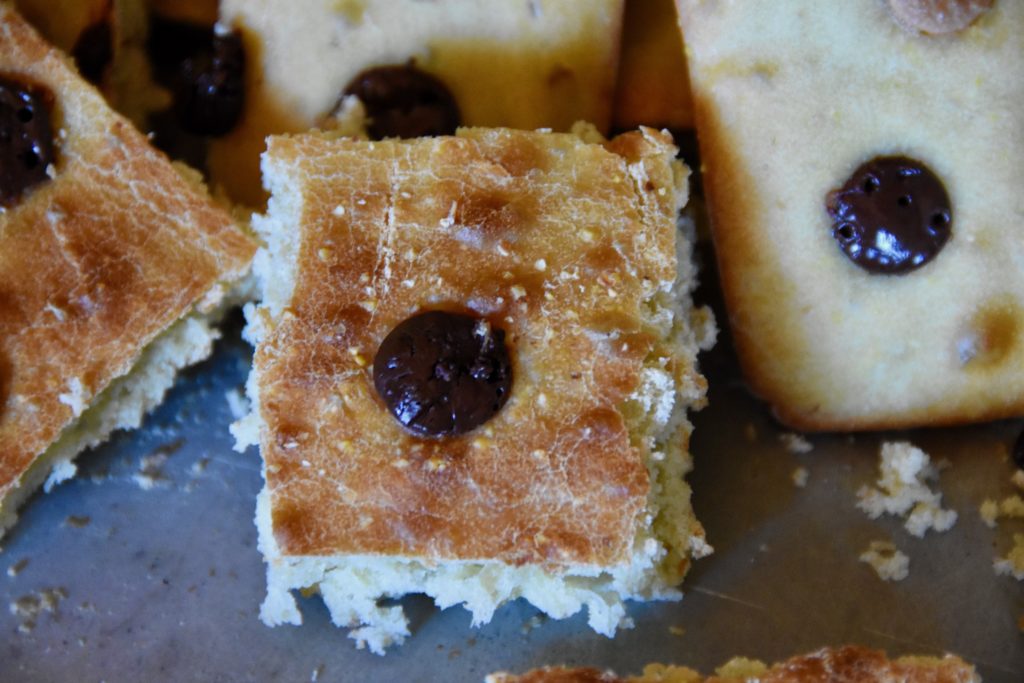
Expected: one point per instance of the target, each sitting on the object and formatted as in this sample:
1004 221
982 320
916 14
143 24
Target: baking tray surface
145 566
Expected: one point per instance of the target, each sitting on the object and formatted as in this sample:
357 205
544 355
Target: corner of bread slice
666 534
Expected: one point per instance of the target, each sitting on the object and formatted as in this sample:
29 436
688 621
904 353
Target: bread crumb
799 476
17 567
536 621
237 403
902 491
677 630
77 521
989 511
29 607
795 443
1013 563
1018 479
888 562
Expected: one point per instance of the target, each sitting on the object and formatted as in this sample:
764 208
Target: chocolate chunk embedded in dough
443 374
26 138
892 216
404 102
211 89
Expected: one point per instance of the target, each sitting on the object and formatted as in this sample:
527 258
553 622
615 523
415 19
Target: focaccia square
111 266
572 494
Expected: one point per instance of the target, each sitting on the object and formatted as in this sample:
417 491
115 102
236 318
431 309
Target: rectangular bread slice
571 495
110 269
790 102
529 64
849 664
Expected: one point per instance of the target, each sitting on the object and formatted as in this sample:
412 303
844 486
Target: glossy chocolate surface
892 215
26 138
442 374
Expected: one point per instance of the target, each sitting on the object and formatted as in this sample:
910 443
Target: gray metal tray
164 584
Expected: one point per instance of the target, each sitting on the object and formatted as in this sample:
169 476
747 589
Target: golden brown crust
849 664
94 263
566 241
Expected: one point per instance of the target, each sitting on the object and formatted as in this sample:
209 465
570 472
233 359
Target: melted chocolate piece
892 216
404 102
443 374
1018 451
26 138
211 87
94 50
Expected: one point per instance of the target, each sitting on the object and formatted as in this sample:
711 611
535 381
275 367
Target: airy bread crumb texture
122 405
667 536
902 490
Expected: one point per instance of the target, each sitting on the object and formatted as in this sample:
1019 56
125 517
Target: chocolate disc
26 138
94 50
892 216
442 374
404 102
211 87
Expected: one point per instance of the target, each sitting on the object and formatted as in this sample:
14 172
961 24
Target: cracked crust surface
788 104
849 664
96 262
556 241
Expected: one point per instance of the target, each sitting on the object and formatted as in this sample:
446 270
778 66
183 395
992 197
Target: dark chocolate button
1018 451
892 216
211 87
26 138
404 102
443 374
94 50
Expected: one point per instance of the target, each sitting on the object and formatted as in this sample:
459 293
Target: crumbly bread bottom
668 535
122 405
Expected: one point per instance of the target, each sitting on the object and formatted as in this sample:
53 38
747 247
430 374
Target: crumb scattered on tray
29 607
799 476
677 630
1013 563
886 559
902 490
77 521
17 567
536 621
795 443
238 404
1011 507
151 473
